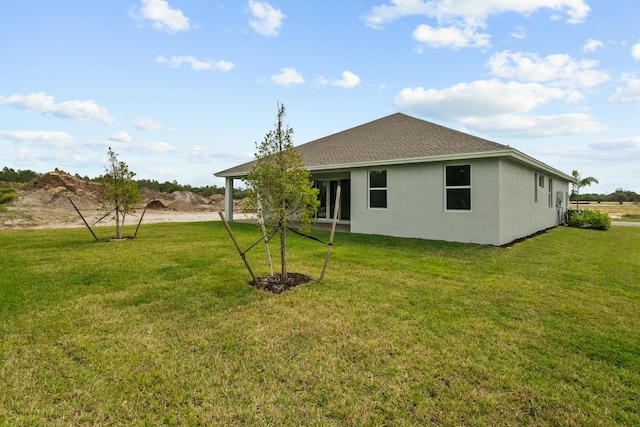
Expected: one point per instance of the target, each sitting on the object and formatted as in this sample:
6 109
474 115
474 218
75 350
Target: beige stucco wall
502 199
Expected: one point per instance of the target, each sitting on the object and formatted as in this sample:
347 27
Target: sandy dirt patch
21 218
50 201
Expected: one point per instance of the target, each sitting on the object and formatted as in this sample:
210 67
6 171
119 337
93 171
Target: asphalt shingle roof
389 138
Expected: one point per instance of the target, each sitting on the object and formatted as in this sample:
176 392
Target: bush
7 194
589 219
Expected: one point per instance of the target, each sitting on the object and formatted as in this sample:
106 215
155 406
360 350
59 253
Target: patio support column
228 199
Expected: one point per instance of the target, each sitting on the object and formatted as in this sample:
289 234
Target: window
550 193
458 187
378 189
535 187
541 181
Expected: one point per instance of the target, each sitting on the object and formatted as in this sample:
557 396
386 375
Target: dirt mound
189 198
157 205
55 189
58 178
182 201
44 203
181 205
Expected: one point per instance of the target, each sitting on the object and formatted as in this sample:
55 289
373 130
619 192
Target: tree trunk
283 252
118 232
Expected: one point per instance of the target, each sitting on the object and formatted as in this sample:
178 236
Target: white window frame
458 187
370 189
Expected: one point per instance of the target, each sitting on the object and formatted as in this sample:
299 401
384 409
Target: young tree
280 185
580 182
120 190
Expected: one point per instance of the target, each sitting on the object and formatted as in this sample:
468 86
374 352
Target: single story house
406 177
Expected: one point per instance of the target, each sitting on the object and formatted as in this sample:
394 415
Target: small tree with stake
120 190
281 186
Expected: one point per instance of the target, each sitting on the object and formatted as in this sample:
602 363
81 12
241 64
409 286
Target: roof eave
511 152
518 155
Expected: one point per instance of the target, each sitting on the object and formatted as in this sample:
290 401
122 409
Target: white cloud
635 51
76 110
519 33
559 68
348 81
625 151
196 64
453 37
266 19
532 126
460 20
478 98
630 144
133 147
471 10
121 136
208 155
162 16
149 125
288 77
496 107
55 139
380 15
591 45
152 148
322 81
630 92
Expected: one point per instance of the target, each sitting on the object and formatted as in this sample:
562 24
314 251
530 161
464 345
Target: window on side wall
378 189
458 188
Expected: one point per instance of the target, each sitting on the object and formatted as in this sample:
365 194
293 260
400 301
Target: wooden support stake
235 242
139 222
333 230
264 236
83 220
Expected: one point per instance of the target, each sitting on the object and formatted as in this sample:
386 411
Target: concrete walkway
626 224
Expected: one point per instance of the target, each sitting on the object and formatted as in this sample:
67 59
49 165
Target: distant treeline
24 176
170 187
619 196
10 175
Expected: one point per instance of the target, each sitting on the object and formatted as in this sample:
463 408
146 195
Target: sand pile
54 189
45 204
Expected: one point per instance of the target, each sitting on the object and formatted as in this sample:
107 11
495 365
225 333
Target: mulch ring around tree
277 285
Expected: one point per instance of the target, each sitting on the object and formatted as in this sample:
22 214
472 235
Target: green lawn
164 330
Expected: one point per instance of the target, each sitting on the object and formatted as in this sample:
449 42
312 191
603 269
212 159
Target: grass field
164 330
627 211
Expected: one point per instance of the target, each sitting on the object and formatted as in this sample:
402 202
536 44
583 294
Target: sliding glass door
327 196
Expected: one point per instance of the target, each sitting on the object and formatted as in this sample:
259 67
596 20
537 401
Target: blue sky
181 89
